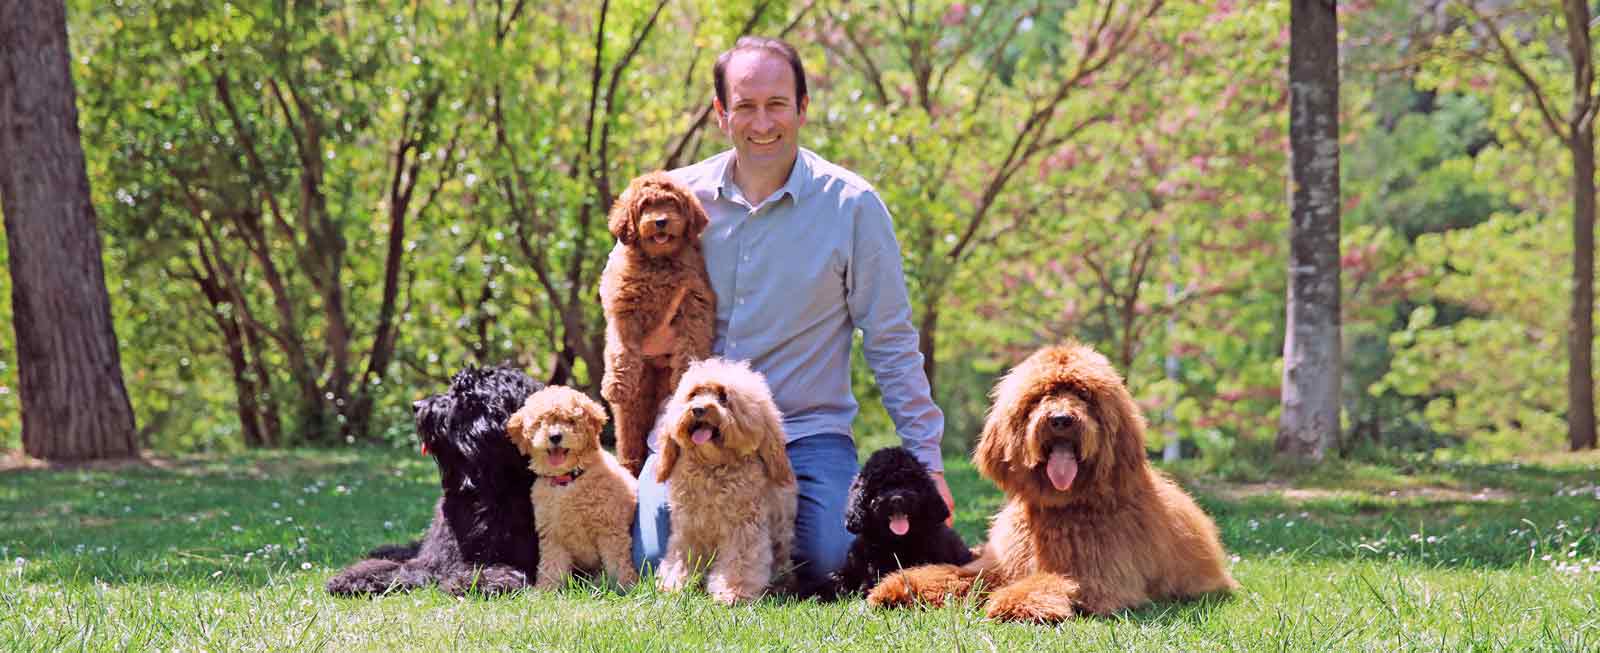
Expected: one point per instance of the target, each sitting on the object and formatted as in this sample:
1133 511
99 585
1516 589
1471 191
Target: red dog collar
567 478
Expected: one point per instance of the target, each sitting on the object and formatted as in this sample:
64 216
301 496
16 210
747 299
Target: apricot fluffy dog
1087 526
732 492
657 273
583 500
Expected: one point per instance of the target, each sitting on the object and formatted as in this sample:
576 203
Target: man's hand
944 492
659 341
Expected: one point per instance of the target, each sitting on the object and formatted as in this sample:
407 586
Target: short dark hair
778 47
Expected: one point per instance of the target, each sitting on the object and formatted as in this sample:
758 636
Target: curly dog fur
659 270
732 493
482 534
1088 525
583 499
899 521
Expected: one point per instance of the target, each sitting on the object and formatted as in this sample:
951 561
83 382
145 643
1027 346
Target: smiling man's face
762 117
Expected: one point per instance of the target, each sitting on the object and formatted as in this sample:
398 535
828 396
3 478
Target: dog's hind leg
488 580
625 386
378 576
396 552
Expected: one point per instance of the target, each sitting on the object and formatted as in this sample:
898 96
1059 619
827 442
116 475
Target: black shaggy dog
482 534
898 518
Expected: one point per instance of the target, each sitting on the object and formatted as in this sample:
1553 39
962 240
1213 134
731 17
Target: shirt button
741 301
747 258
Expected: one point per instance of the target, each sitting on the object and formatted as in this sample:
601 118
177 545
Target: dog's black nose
699 411
1060 422
661 223
555 438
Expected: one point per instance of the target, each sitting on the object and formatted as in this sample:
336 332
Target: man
800 252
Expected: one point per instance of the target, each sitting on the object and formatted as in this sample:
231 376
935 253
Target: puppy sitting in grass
583 499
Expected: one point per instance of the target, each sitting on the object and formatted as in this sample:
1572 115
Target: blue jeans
824 464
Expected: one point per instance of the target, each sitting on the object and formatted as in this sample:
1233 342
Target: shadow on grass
203 520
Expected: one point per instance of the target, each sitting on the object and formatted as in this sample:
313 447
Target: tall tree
74 404
1576 131
1309 422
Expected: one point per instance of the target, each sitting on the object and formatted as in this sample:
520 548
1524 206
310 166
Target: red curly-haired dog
658 273
1087 526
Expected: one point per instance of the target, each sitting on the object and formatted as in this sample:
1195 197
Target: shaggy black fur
482 535
892 482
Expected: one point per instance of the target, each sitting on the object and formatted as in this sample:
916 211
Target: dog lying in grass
1088 525
482 537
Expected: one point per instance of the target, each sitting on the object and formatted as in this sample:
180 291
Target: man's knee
651 523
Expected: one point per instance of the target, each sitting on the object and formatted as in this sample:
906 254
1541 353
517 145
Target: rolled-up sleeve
879 306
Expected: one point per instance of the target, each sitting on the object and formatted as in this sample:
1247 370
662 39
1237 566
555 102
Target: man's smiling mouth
768 141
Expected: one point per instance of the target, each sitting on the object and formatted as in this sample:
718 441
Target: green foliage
1054 171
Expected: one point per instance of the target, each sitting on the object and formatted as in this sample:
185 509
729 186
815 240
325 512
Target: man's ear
721 113
805 102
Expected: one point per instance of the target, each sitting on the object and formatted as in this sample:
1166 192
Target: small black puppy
898 518
482 534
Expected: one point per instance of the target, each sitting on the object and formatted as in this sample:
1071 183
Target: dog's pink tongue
701 435
557 457
899 524
1062 468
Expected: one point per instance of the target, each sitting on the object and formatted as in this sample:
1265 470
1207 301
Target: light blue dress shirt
795 274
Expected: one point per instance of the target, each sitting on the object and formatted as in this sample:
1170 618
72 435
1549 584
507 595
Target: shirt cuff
927 453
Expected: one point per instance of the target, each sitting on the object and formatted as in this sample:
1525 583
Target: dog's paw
671 581
729 596
1040 598
929 585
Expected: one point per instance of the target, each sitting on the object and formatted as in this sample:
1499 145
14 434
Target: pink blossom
954 15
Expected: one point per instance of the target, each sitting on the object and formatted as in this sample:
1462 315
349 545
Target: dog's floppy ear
670 426
669 458
516 425
624 218
595 415
758 419
855 513
1004 439
517 429
1122 426
774 453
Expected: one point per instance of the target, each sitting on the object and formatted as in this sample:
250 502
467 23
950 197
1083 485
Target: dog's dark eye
722 396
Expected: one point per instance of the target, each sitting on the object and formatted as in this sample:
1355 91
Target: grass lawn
221 554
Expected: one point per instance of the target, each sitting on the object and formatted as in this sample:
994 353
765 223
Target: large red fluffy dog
1088 526
659 273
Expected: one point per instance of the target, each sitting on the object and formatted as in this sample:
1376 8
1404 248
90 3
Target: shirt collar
796 187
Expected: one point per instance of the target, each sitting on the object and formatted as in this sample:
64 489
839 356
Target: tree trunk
1309 424
1580 335
74 404
926 333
